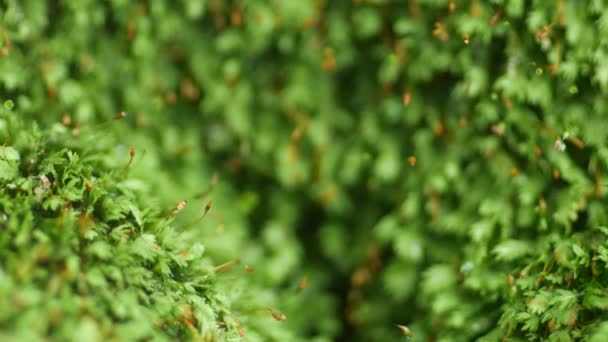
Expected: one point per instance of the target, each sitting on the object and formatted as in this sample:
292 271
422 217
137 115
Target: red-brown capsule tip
66 120
207 207
278 316
407 98
303 284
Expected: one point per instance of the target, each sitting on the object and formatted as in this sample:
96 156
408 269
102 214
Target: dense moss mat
82 257
374 164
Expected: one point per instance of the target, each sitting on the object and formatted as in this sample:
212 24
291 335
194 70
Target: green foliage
432 163
84 257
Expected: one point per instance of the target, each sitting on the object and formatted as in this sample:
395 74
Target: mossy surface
433 164
84 254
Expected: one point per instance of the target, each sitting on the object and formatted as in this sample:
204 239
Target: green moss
437 164
85 255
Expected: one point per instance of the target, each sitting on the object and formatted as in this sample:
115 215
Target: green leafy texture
311 112
87 253
76 263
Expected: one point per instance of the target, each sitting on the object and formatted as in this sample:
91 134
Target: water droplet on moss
559 145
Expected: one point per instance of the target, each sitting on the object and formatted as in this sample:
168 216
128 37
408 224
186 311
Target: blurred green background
434 163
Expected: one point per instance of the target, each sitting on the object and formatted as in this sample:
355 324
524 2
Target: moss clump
86 255
446 157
